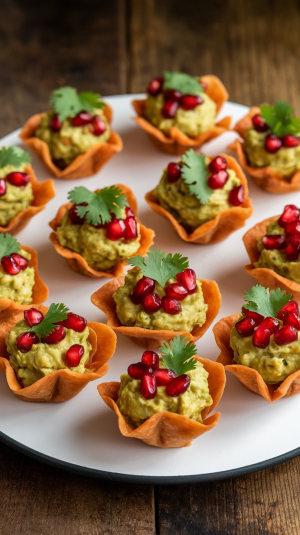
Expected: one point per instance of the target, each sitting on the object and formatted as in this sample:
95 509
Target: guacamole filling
18 287
192 314
43 359
91 243
16 199
190 122
136 409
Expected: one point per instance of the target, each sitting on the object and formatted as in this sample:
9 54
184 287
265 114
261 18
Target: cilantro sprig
280 118
194 173
13 156
66 102
99 203
8 245
186 84
265 302
56 312
178 356
159 266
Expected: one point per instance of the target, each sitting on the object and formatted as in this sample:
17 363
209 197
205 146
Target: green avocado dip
43 359
18 287
136 409
16 199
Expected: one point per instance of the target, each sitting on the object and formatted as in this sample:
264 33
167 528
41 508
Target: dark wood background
116 47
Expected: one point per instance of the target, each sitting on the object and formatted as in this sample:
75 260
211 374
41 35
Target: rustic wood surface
116 47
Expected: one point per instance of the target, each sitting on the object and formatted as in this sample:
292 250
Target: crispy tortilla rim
167 429
78 263
178 142
267 178
86 164
151 338
249 377
218 228
60 385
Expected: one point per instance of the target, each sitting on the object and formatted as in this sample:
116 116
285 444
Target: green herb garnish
280 118
13 156
194 173
99 203
8 245
186 84
159 267
265 302
66 102
285 362
178 357
55 313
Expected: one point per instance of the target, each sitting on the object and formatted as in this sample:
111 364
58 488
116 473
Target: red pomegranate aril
2 187
20 260
128 211
173 172
259 124
75 322
272 143
286 335
56 336
272 324
73 355
253 315
130 228
245 327
290 141
219 163
292 250
163 376
25 341
188 280
115 230
99 126
292 319
189 102
81 119
172 94
218 180
150 358
151 303
143 287
9 266
261 338
178 386
32 316
290 213
169 109
136 371
292 229
148 386
18 179
170 305
291 307
274 241
54 123
74 217
176 291
236 196
155 86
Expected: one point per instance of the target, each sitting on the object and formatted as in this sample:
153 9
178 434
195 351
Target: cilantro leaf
194 173
66 102
13 156
8 245
55 313
266 302
178 357
280 118
186 84
158 266
99 203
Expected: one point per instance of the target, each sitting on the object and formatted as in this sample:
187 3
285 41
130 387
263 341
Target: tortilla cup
267 178
78 263
178 142
218 228
249 377
43 192
168 429
150 338
86 164
60 385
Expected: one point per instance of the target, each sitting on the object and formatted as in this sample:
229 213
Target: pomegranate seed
150 358
292 250
290 141
188 280
218 180
151 303
176 291
291 307
170 305
173 172
272 324
217 164
32 316
81 119
259 124
99 126
272 143
163 376
290 213
189 102
155 86
286 335
274 241
115 230
18 179
236 196
9 265
128 211
56 336
245 327
172 94
178 386
74 322
292 229
169 109
261 338
204 85
2 187
136 371
25 341
20 261
74 217
148 386
292 319
130 228
143 287
253 315
73 355
54 123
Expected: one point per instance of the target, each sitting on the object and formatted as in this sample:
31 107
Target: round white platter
82 434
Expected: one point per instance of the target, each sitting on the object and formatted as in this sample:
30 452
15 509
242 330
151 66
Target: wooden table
116 47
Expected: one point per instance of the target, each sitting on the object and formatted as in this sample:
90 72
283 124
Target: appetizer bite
270 150
164 400
97 231
51 354
159 298
21 196
74 139
261 346
205 199
180 110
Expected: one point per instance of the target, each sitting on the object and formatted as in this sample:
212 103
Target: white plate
82 434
